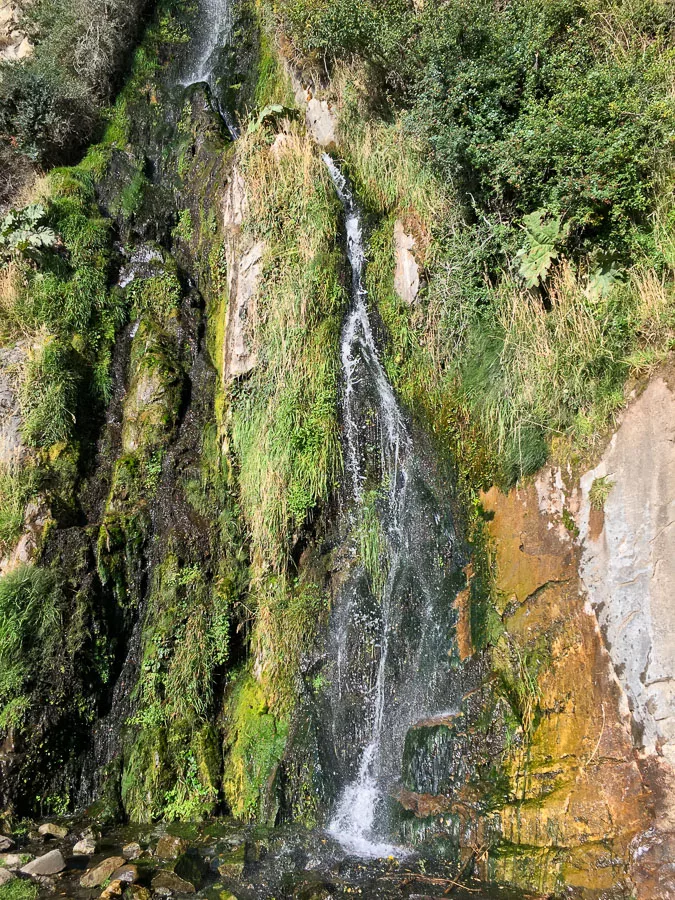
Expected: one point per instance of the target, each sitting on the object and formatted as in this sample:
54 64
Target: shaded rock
102 872
11 860
5 876
6 843
170 847
231 865
407 273
50 864
49 829
191 867
132 851
138 892
128 874
169 881
85 847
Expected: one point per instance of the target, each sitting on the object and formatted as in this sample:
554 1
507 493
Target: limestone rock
5 876
50 864
132 851
14 44
407 274
85 847
6 843
102 872
50 829
244 266
321 122
170 846
628 562
170 881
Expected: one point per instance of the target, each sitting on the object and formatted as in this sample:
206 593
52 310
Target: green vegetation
30 632
19 889
600 491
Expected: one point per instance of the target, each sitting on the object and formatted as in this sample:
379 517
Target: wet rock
49 829
85 847
169 881
138 892
191 867
6 843
50 864
11 860
132 851
102 872
114 889
5 876
170 847
231 865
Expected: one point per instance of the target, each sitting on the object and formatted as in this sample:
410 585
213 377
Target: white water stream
211 31
353 822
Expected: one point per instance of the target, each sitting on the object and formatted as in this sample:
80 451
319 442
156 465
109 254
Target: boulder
50 864
132 851
85 847
170 847
6 843
49 829
138 892
102 872
5 876
127 874
169 881
407 275
11 860
231 865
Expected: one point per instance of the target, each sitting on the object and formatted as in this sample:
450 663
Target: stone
164 881
6 843
407 273
191 867
138 892
49 829
170 846
50 864
114 889
102 872
127 873
5 876
132 851
85 847
12 860
231 865
321 122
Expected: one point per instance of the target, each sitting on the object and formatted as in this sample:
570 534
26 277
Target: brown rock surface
102 872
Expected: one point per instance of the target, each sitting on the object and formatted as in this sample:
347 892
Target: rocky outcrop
627 530
14 43
407 274
244 265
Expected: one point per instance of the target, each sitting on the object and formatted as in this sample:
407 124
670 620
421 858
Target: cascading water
392 630
211 32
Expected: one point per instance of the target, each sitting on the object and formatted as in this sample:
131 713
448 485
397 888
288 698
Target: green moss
255 741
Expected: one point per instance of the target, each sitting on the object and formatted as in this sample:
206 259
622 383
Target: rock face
628 569
244 266
406 275
14 43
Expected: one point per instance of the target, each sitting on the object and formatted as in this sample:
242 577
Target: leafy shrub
24 232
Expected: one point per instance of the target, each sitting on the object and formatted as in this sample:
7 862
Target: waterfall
211 31
391 644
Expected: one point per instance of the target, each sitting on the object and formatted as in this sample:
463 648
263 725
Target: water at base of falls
391 636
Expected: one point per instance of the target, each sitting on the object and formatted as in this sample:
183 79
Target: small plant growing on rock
599 492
